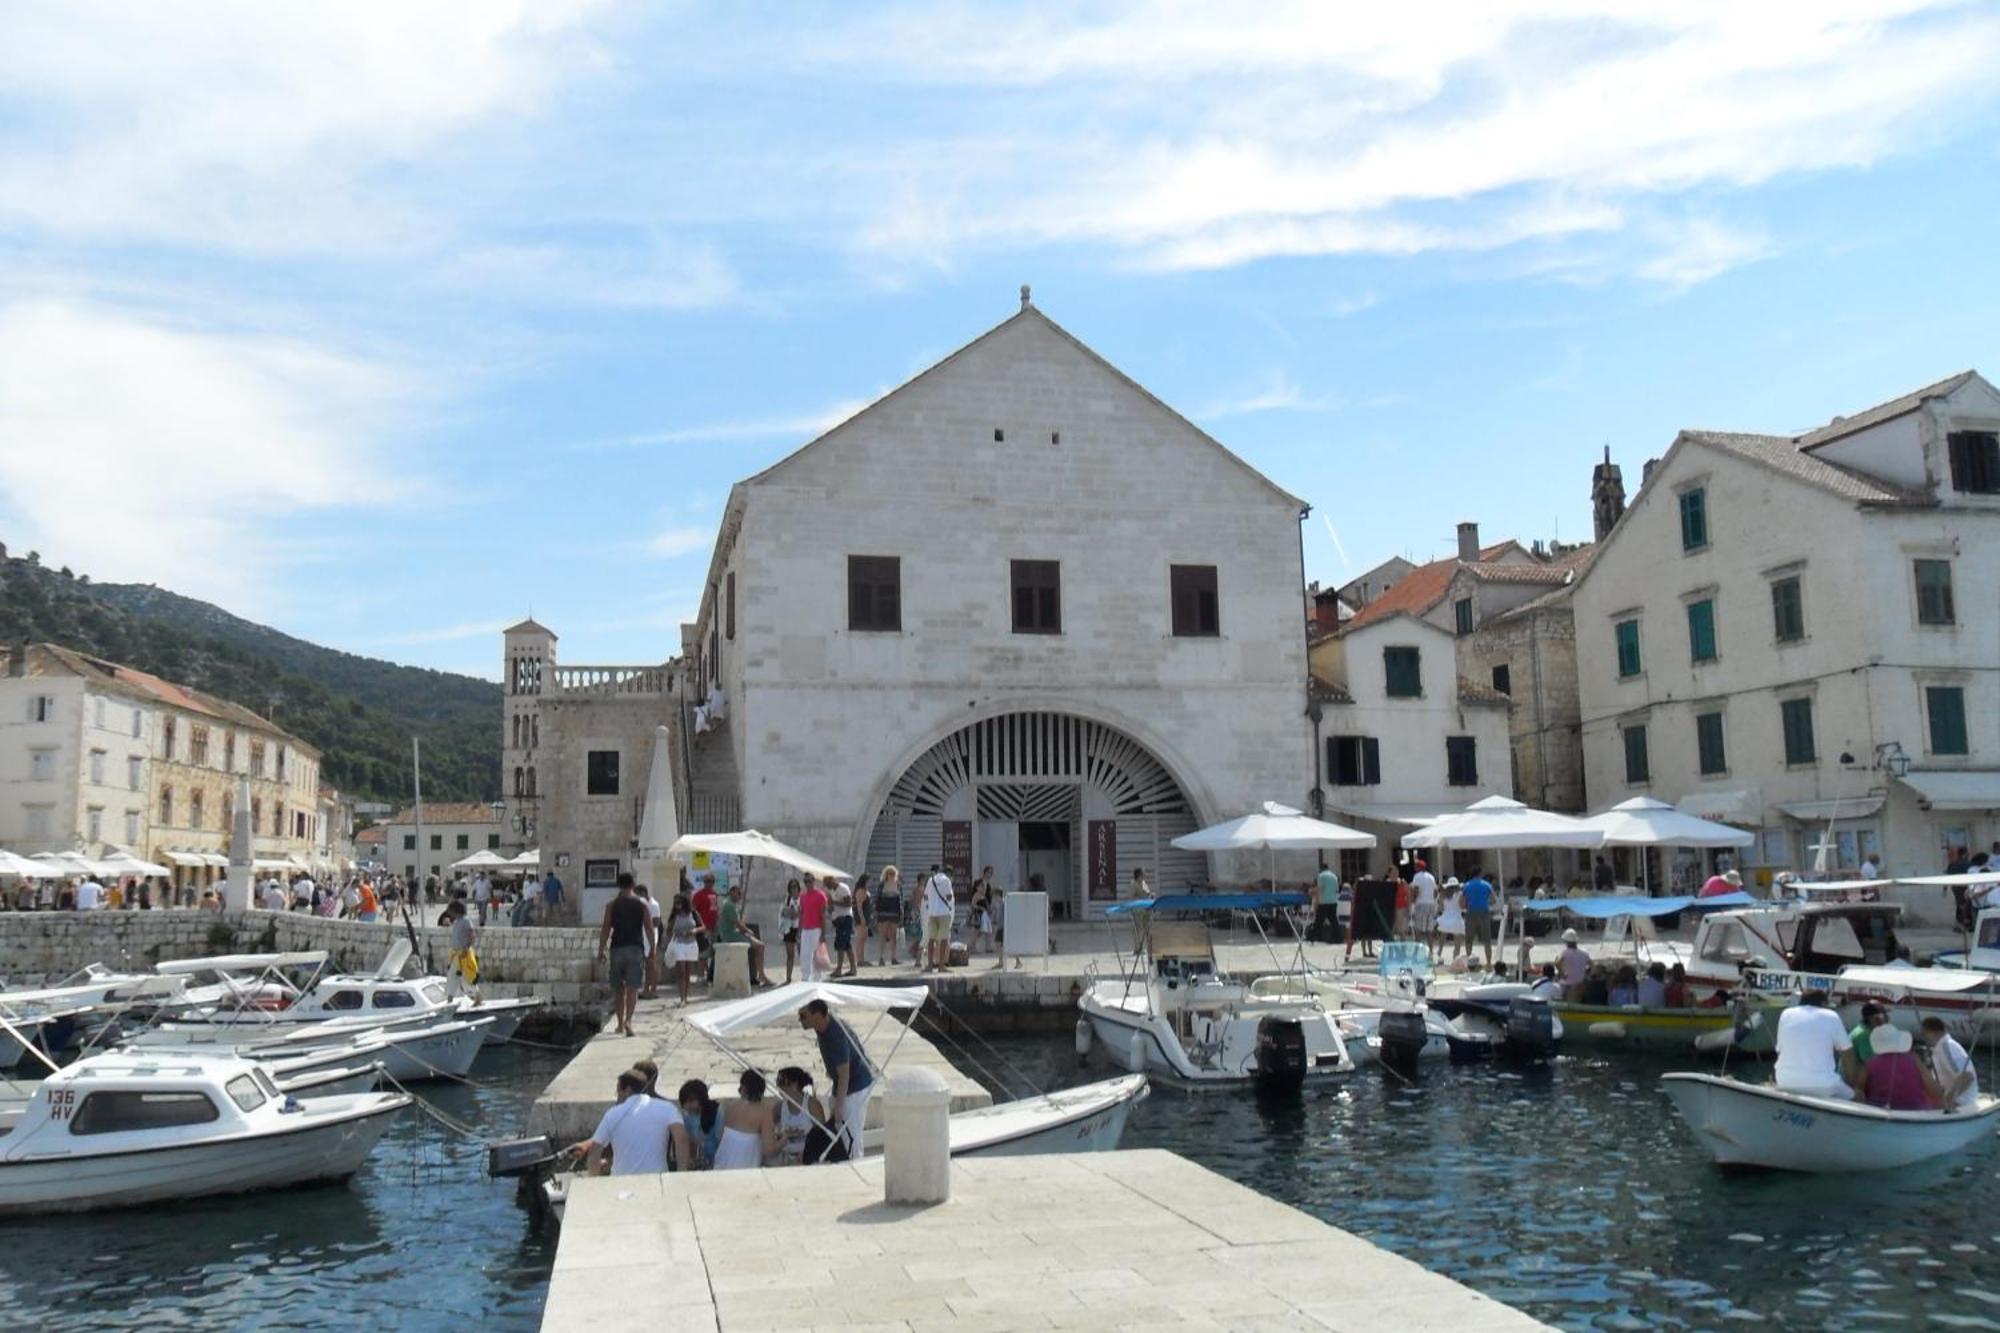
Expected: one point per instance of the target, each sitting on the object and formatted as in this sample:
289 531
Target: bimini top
242 962
1208 902
1609 905
785 1002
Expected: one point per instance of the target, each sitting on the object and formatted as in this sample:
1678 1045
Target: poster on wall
1103 872
958 850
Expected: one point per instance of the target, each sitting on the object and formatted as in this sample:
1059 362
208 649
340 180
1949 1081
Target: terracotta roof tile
1415 593
1781 454
1472 692
447 812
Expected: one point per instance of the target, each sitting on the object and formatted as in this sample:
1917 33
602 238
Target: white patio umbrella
752 843
67 863
26 867
483 859
124 863
1646 822
1498 824
1273 827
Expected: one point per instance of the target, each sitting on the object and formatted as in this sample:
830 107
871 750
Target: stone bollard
916 1140
732 972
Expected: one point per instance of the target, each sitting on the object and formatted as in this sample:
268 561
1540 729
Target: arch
1044 761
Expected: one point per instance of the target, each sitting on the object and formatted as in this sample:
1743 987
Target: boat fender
1136 1053
1082 1037
1719 1040
1607 1030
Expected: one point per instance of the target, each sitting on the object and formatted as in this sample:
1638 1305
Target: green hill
360 712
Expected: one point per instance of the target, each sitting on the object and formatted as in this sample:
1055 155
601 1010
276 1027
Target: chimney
1468 542
1646 473
1607 495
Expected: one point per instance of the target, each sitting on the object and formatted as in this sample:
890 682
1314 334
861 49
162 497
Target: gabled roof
145 686
1413 594
1472 692
530 626
447 812
1550 573
1881 412
1781 454
1030 313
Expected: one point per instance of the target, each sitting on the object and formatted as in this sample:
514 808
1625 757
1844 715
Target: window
42 708
138 720
1503 678
197 744
97 717
1628 648
1403 672
531 780
1354 761
256 757
437 842
393 999
229 752
1037 596
1197 613
281 763
97 767
38 821
464 841
434 992
493 841
194 809
41 765
1701 630
1934 593
1461 611
243 1090
1694 519
117 1112
409 842
278 820
1798 723
135 769
729 607
1975 461
875 593
131 828
167 806
1788 610
1637 768
167 740
1709 749
1945 706
601 773
1461 761
520 781
256 813
93 823
344 999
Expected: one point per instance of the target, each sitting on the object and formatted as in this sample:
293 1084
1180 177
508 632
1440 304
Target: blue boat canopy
1208 902
1610 905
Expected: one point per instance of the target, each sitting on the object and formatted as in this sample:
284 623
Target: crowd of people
790 1123
1876 1062
356 895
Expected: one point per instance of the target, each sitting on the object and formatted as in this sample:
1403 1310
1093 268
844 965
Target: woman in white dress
749 1127
683 951
1451 917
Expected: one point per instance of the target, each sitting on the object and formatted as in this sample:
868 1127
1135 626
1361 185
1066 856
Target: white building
452 831
75 751
1017 613
1801 634
1405 735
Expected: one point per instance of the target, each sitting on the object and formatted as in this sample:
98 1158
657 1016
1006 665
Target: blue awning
1605 907
1208 902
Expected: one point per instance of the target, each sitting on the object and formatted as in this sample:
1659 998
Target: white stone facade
1840 517
451 832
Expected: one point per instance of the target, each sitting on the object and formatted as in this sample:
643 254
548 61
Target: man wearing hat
1726 882
1573 966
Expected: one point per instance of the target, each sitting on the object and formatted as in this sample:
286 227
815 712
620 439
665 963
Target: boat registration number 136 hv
62 1101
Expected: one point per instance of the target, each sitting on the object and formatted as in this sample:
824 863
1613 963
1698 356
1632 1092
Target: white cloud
469 629
1698 249
806 425
678 541
143 451
1281 393
653 274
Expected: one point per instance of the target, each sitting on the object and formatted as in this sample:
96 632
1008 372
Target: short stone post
916 1140
732 972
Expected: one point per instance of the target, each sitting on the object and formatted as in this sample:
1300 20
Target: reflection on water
420 1237
1576 1194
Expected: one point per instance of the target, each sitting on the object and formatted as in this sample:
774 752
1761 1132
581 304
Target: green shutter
1701 631
1635 754
1798 720
1946 706
1788 611
1709 745
1628 648
1934 603
1694 519
1402 670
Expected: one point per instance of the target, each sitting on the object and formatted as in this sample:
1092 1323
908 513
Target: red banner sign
1103 834
958 851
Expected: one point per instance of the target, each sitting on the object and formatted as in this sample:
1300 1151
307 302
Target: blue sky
386 324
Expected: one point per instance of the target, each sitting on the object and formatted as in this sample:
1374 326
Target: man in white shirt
1574 965
89 895
274 896
640 1131
1956 1078
1869 870
1424 910
940 902
482 895
1815 1054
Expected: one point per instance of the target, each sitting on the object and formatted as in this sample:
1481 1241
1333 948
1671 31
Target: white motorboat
123 1129
1174 1014
410 1049
1757 1125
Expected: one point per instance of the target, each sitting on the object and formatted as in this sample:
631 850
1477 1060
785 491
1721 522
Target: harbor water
1572 1193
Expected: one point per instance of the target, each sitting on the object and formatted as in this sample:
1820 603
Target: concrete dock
1140 1240
570 1107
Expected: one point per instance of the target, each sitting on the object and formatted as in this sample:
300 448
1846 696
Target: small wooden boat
1757 1125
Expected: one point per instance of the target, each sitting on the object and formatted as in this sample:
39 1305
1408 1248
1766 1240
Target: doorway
1045 852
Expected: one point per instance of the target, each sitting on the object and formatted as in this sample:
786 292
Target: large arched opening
1067 798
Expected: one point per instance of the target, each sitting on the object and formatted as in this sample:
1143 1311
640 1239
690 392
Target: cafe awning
1963 789
1730 805
1844 807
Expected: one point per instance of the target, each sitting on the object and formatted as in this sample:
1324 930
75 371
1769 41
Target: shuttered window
1628 648
1934 603
1403 673
1708 744
1945 706
1975 461
874 594
1636 766
1788 610
1694 519
1037 586
1197 613
1354 761
1461 761
1701 631
1797 715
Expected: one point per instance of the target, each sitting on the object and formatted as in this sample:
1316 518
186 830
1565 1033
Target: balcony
616 681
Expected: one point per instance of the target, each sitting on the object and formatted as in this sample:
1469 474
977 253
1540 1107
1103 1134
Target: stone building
102 755
452 831
1796 633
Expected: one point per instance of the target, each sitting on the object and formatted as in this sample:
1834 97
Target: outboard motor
1281 1054
529 1161
1531 1029
1402 1034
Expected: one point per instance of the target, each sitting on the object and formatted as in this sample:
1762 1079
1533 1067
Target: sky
388 324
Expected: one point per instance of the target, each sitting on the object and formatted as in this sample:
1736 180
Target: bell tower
527 668
1607 495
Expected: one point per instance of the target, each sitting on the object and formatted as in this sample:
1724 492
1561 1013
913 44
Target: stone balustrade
616 680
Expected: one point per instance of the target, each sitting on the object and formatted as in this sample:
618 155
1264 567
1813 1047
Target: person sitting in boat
1624 988
1726 882
1596 988
1653 987
802 1121
703 1116
1677 996
1815 1054
1873 1018
1893 1077
1546 986
1574 964
1957 1081
642 1133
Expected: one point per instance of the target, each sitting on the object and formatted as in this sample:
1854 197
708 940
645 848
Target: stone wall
559 964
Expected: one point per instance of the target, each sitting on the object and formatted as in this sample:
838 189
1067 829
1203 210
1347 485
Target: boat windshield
1726 942
243 1090
118 1112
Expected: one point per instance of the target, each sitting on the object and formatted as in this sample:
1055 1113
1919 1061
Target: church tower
528 668
1607 495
